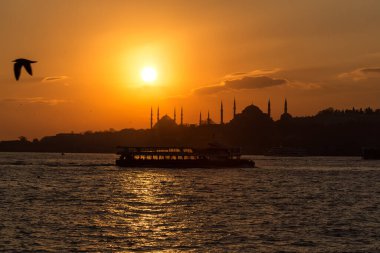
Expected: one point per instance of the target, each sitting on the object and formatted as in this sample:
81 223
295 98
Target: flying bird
19 63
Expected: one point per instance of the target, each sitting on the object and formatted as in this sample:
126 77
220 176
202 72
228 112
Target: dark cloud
247 82
238 74
253 82
371 70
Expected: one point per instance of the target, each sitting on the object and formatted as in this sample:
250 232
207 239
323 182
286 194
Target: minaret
234 108
208 117
158 114
200 118
151 117
286 107
181 116
174 116
221 113
269 107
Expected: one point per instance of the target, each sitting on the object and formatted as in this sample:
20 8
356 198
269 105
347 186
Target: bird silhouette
19 63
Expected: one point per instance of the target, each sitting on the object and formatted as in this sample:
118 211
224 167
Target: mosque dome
165 122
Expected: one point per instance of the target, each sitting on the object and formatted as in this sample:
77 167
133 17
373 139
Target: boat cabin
179 153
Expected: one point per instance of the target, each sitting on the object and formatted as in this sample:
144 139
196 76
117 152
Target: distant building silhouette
181 116
330 132
286 107
158 113
208 121
165 123
234 108
221 113
151 117
251 119
285 115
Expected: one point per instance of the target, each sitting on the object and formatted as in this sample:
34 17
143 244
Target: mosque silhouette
167 121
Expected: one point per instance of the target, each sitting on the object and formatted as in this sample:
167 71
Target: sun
148 74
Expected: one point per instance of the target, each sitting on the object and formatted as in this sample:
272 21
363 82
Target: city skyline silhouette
329 132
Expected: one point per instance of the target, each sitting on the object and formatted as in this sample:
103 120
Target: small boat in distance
182 157
371 153
286 151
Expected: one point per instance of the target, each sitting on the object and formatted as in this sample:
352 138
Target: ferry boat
182 157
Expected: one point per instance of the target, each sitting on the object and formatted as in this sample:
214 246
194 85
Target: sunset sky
90 53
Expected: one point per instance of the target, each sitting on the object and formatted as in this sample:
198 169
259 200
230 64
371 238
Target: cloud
34 100
238 74
256 79
371 70
304 85
362 73
257 72
246 82
208 90
253 82
50 79
35 79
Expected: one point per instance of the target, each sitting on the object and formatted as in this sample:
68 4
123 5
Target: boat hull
241 163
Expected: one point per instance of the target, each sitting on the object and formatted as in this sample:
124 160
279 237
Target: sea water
82 202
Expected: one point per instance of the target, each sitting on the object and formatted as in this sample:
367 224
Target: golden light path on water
148 203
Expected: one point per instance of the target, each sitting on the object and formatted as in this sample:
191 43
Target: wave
54 164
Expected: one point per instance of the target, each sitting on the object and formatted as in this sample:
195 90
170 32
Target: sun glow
148 74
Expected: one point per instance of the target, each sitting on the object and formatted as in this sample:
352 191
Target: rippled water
81 202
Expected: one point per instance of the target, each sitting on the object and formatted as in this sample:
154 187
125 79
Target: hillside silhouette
329 132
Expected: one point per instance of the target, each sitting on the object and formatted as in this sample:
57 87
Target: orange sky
317 54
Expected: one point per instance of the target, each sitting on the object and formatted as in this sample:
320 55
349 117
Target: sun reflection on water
146 209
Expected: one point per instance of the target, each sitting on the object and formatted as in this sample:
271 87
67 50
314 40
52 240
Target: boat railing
155 150
176 153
